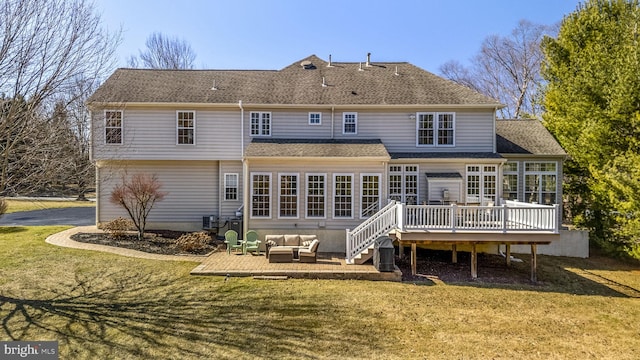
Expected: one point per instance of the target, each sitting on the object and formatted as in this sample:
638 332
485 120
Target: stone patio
329 266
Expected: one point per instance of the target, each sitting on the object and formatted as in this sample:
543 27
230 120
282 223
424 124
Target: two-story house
317 147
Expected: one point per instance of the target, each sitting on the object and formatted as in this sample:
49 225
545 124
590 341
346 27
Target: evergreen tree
592 104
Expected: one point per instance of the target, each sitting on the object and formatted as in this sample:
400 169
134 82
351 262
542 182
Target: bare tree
164 52
46 45
507 69
138 195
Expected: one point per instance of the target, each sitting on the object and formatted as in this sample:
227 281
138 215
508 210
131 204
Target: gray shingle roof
526 137
345 85
316 148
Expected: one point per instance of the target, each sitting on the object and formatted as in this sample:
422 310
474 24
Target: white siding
192 188
151 135
397 130
227 207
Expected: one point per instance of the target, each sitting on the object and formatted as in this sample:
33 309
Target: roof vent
360 68
324 83
307 65
368 59
396 73
329 65
214 87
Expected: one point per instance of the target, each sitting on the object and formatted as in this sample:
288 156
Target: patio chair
310 254
231 239
251 242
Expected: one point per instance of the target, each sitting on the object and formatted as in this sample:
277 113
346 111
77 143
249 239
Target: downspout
245 175
495 148
241 127
332 125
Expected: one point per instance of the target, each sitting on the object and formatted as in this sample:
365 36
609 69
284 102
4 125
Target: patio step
365 255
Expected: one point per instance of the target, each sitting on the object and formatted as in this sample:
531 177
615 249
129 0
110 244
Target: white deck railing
511 217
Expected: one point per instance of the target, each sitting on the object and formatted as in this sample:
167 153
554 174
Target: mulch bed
155 242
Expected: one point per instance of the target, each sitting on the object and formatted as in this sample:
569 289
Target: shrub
118 227
193 242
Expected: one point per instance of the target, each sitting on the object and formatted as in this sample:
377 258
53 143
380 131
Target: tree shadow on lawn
11 229
129 313
554 274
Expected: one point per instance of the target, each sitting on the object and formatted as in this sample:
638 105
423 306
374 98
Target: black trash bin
383 254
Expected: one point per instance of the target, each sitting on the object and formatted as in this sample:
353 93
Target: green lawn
28 205
102 306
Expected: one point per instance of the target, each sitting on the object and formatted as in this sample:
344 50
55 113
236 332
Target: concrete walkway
64 239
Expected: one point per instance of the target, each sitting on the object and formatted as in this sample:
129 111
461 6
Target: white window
481 184
316 196
231 186
315 118
288 196
435 129
403 183
540 182
343 195
260 195
370 194
113 127
260 123
350 123
510 180
186 127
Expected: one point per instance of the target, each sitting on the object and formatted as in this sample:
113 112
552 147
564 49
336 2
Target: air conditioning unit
209 222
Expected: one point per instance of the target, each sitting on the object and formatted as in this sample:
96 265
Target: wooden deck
422 237
329 266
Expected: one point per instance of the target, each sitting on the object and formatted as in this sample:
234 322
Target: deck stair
361 240
365 255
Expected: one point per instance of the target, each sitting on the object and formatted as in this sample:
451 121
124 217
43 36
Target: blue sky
271 34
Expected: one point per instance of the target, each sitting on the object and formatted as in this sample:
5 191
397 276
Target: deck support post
534 263
474 261
413 259
508 254
454 253
400 249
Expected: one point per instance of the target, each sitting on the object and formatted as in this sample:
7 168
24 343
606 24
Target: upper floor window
113 127
230 186
315 118
435 129
186 122
260 124
350 123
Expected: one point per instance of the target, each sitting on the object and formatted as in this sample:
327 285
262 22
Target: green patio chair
231 239
251 242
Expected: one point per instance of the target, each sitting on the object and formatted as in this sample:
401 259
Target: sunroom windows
540 182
